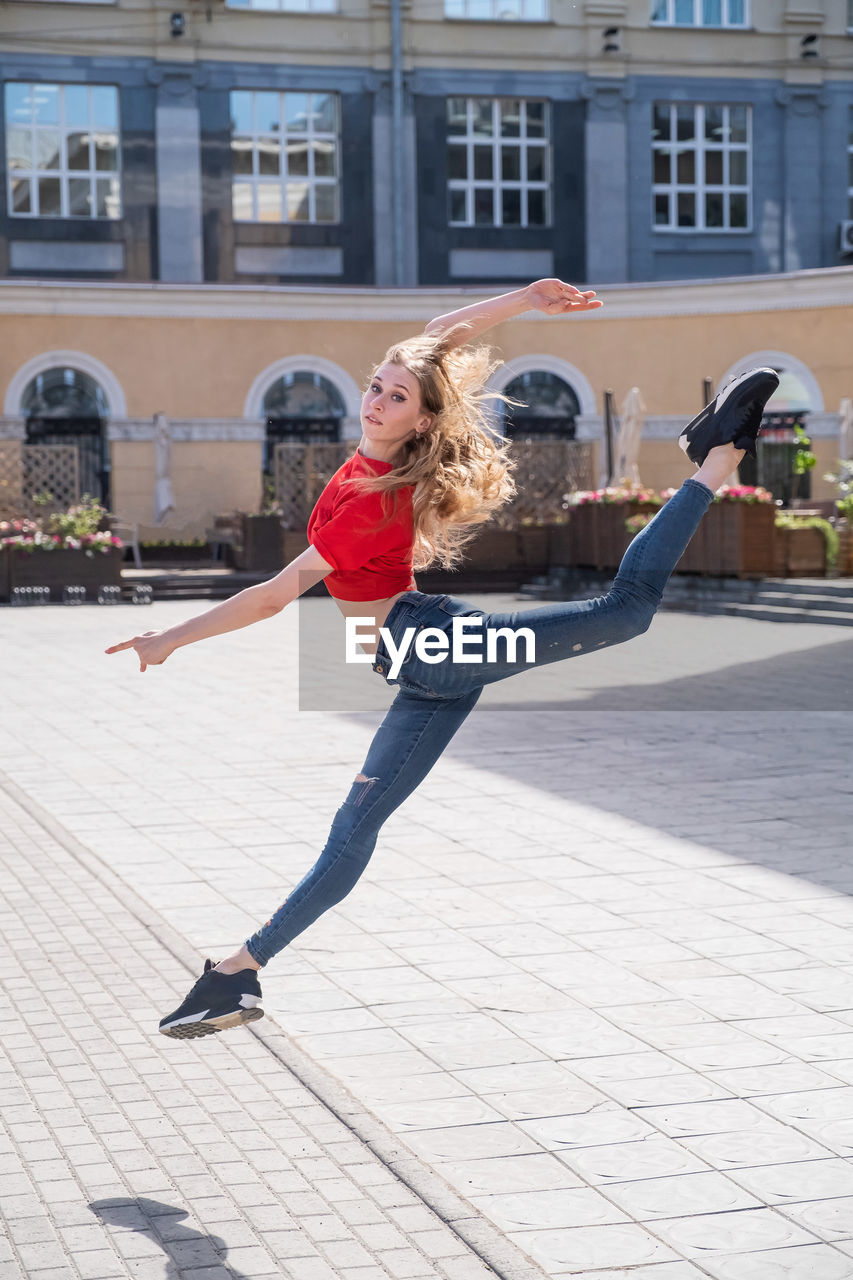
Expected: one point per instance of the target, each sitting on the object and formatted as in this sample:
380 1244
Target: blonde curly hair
458 468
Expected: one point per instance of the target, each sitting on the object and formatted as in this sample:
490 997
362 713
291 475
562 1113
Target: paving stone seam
476 1232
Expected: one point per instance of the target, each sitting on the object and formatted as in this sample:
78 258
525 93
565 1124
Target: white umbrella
845 429
627 449
164 498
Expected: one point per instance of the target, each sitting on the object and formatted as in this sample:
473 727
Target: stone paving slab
597 977
119 1157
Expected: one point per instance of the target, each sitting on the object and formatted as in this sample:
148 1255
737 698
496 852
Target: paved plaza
589 1012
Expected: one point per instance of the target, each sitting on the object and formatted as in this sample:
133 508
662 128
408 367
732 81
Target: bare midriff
374 610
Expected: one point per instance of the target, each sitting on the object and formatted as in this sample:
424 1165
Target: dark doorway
301 407
65 406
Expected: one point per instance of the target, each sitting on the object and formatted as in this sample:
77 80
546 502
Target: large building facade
297 141
224 211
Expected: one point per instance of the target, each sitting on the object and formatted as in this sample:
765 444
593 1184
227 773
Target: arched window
301 406
792 396
548 406
65 406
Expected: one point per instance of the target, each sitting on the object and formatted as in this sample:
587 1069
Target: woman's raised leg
566 629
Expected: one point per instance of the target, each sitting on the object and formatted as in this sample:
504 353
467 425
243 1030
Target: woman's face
391 409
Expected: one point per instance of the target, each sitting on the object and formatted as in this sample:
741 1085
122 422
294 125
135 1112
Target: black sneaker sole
704 428
209 1026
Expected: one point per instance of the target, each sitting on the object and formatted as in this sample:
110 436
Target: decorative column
607 217
178 150
802 176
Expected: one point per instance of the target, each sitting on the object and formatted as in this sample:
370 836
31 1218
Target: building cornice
794 291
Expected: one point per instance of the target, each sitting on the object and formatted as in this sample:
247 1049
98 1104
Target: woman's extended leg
407 744
566 629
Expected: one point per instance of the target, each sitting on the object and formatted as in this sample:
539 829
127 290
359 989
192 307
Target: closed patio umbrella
626 470
164 498
845 429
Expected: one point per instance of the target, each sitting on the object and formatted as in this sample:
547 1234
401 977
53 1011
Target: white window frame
63 173
698 16
285 6
498 184
699 188
256 181
498 10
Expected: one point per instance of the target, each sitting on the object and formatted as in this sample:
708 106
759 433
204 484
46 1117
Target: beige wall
209 478
662 464
194 353
360 35
203 368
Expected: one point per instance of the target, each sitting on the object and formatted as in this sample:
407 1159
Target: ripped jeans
434 698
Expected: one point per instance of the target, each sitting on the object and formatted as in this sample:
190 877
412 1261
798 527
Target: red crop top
370 559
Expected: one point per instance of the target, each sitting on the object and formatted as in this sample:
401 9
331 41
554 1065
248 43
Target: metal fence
545 471
30 471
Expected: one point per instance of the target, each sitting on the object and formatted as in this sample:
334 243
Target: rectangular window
284 156
497 10
62 150
700 13
287 6
499 162
701 167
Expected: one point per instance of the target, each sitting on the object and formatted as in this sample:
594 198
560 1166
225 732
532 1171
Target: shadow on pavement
185 1250
813 679
751 759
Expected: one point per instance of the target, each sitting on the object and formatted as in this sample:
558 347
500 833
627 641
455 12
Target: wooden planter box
493 548
800 553
58 569
599 538
734 540
262 549
559 545
292 545
528 547
844 567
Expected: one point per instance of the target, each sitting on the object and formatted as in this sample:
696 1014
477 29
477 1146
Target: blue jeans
433 699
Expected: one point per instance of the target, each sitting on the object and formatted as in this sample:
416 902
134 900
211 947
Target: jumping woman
428 467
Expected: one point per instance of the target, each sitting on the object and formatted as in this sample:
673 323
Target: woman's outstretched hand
556 298
152 648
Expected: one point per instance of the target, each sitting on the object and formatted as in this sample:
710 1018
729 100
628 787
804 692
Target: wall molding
792 291
819 425
193 430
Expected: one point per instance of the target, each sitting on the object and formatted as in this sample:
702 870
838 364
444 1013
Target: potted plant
65 548
261 539
806 546
844 529
843 478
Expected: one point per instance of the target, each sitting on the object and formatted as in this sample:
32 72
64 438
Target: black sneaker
734 417
216 1002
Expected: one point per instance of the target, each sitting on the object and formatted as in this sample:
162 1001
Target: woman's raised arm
554 297
248 606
